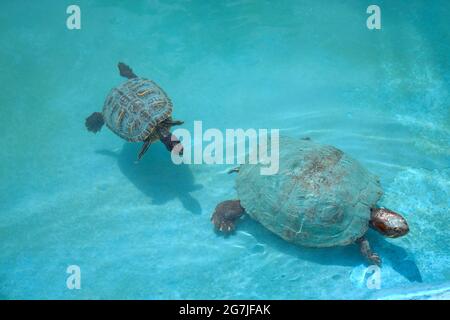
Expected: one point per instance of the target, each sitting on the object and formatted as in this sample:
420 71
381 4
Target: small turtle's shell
320 197
133 109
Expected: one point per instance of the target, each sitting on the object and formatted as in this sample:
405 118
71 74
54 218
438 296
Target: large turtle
320 197
137 110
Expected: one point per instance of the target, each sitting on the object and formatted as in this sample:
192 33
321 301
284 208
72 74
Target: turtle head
388 223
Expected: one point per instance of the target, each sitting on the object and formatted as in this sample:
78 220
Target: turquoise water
142 230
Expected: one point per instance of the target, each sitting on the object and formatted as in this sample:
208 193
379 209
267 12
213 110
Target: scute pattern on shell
320 197
133 109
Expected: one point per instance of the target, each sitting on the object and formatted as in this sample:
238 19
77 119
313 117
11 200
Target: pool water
142 229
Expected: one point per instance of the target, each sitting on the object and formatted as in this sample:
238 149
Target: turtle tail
95 122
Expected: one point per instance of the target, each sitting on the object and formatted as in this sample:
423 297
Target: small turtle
320 197
137 110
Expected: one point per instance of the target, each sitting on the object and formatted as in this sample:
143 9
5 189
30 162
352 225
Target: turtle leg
226 214
367 252
144 148
126 71
171 122
95 122
234 170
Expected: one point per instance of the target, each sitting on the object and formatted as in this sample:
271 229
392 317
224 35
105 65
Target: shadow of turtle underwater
398 258
157 176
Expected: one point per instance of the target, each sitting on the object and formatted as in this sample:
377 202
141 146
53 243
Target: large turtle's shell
133 109
320 197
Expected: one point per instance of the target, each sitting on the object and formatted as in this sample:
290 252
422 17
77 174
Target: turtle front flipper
126 71
226 214
367 252
144 148
170 122
234 170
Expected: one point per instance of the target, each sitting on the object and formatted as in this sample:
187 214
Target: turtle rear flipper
126 71
226 215
95 122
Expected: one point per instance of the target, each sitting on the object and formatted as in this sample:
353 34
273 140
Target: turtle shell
320 196
133 109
